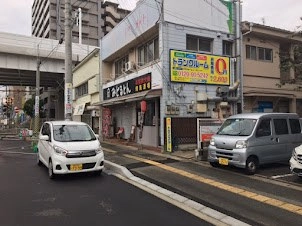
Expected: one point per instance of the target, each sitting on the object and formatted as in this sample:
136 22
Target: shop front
131 111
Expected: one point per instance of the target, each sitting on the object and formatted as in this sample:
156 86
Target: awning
79 109
267 94
133 97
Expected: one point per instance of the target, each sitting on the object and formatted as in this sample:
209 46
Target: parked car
252 139
295 161
69 147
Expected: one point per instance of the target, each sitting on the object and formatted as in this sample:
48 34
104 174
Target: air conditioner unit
130 66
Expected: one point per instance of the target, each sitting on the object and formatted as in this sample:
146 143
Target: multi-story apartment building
98 18
266 83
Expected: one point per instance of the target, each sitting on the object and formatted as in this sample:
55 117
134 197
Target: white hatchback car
69 147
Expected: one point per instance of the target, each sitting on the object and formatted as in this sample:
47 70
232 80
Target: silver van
252 139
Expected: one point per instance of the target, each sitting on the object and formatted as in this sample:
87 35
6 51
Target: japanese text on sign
199 68
131 86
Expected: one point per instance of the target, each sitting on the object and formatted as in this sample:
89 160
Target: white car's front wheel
50 170
39 163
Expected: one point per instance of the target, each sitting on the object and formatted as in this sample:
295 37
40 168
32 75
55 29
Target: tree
294 62
29 108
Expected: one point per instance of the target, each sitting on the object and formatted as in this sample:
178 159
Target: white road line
17 152
280 176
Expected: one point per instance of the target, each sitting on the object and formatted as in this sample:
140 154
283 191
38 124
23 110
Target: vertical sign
68 100
37 106
169 135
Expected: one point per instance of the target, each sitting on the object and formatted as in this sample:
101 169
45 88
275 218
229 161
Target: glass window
120 66
67 133
295 126
251 52
264 54
280 126
192 43
237 127
205 45
148 52
264 128
227 48
81 90
199 44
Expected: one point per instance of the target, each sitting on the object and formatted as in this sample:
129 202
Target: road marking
251 195
109 150
280 176
17 152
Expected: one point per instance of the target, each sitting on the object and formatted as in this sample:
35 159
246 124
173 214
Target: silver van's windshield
237 127
67 133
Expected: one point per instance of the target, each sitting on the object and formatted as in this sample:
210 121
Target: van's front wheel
251 165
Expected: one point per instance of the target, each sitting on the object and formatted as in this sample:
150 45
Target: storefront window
149 116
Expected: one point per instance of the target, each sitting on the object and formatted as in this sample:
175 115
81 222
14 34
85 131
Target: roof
259 115
66 122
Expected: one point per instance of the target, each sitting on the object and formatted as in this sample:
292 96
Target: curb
195 208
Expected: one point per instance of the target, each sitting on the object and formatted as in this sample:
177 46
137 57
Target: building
162 70
86 87
97 19
266 85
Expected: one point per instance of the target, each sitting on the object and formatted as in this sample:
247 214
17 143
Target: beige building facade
86 86
262 75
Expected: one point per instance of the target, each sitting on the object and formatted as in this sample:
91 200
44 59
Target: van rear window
295 126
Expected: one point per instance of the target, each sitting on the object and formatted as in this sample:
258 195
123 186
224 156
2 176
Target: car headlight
212 142
241 144
99 150
294 155
60 151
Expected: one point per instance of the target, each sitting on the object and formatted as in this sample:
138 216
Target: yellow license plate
76 167
223 161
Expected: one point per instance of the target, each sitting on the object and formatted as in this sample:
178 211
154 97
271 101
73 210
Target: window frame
148 52
190 39
120 66
81 90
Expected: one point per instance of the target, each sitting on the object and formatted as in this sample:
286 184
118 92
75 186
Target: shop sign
135 85
201 68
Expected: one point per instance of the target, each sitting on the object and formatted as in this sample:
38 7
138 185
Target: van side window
280 126
295 126
264 128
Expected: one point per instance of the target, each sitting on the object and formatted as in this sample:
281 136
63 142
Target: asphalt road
29 197
256 200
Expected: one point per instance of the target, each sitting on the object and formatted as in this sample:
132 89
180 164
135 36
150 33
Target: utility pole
68 62
37 99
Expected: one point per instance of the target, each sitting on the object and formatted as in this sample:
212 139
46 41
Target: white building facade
167 64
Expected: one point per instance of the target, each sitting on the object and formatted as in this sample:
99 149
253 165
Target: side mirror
44 137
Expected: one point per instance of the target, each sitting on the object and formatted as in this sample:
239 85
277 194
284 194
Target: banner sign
68 98
135 85
201 68
169 135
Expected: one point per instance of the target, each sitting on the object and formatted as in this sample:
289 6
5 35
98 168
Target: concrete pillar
293 105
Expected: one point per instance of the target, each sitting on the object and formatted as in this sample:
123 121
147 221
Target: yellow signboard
199 68
168 135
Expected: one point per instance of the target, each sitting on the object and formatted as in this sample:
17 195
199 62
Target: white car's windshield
237 127
66 133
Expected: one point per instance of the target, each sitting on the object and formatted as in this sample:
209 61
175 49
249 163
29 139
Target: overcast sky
15 15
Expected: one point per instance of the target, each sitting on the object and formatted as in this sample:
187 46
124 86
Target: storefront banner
135 85
193 67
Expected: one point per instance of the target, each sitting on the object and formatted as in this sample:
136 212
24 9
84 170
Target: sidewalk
183 153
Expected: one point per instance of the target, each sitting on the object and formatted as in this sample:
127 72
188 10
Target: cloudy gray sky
15 15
